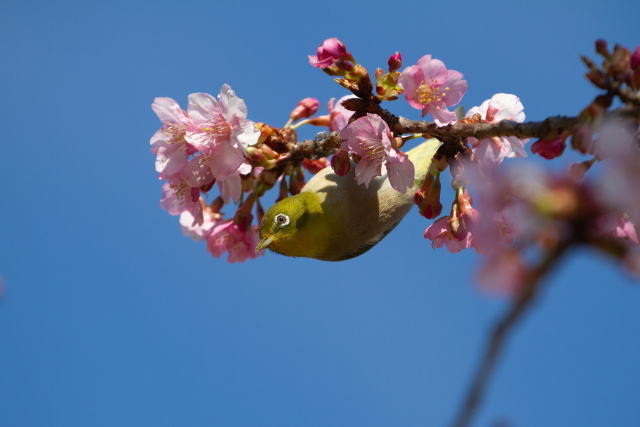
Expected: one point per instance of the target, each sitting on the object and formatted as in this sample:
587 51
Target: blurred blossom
617 226
504 272
619 185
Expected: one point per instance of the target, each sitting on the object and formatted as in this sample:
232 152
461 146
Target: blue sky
111 317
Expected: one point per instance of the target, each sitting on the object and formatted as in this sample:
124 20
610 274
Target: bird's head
294 226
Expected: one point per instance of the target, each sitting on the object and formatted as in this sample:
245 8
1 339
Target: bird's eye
282 220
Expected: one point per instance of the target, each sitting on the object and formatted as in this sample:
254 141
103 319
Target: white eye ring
281 220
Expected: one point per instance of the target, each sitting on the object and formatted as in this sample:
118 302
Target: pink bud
395 62
315 166
306 108
329 52
635 59
550 149
341 163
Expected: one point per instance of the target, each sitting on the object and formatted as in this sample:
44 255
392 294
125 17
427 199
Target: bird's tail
421 156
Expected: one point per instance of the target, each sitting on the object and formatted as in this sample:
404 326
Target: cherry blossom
618 227
440 233
369 138
179 196
196 231
227 236
221 130
493 151
168 143
430 87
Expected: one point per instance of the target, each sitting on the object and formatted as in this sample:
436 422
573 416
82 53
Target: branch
451 135
501 330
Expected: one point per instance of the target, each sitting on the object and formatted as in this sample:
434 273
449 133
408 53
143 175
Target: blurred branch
502 328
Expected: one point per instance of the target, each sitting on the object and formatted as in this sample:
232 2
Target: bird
334 218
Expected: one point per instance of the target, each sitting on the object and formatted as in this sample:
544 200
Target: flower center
428 93
218 128
373 150
175 134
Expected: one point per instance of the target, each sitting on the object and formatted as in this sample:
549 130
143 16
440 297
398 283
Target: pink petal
168 110
434 71
246 134
225 160
171 159
509 107
457 87
366 170
441 115
230 188
401 172
197 172
232 107
410 80
202 107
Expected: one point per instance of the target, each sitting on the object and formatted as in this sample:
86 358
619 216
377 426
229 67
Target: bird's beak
264 243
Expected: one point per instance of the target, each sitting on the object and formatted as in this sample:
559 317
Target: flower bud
635 59
269 177
427 198
315 166
268 152
284 191
340 163
550 149
601 47
306 108
395 62
255 155
296 182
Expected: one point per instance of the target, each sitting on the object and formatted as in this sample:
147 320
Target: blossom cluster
196 149
213 142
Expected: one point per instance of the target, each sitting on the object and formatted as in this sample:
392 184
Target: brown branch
547 129
502 328
451 135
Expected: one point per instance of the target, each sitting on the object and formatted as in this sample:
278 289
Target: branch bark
501 330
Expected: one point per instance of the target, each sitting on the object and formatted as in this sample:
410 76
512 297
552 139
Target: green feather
335 219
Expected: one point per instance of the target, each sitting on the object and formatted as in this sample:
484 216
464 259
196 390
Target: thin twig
502 328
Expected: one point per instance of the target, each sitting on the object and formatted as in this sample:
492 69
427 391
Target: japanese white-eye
335 219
